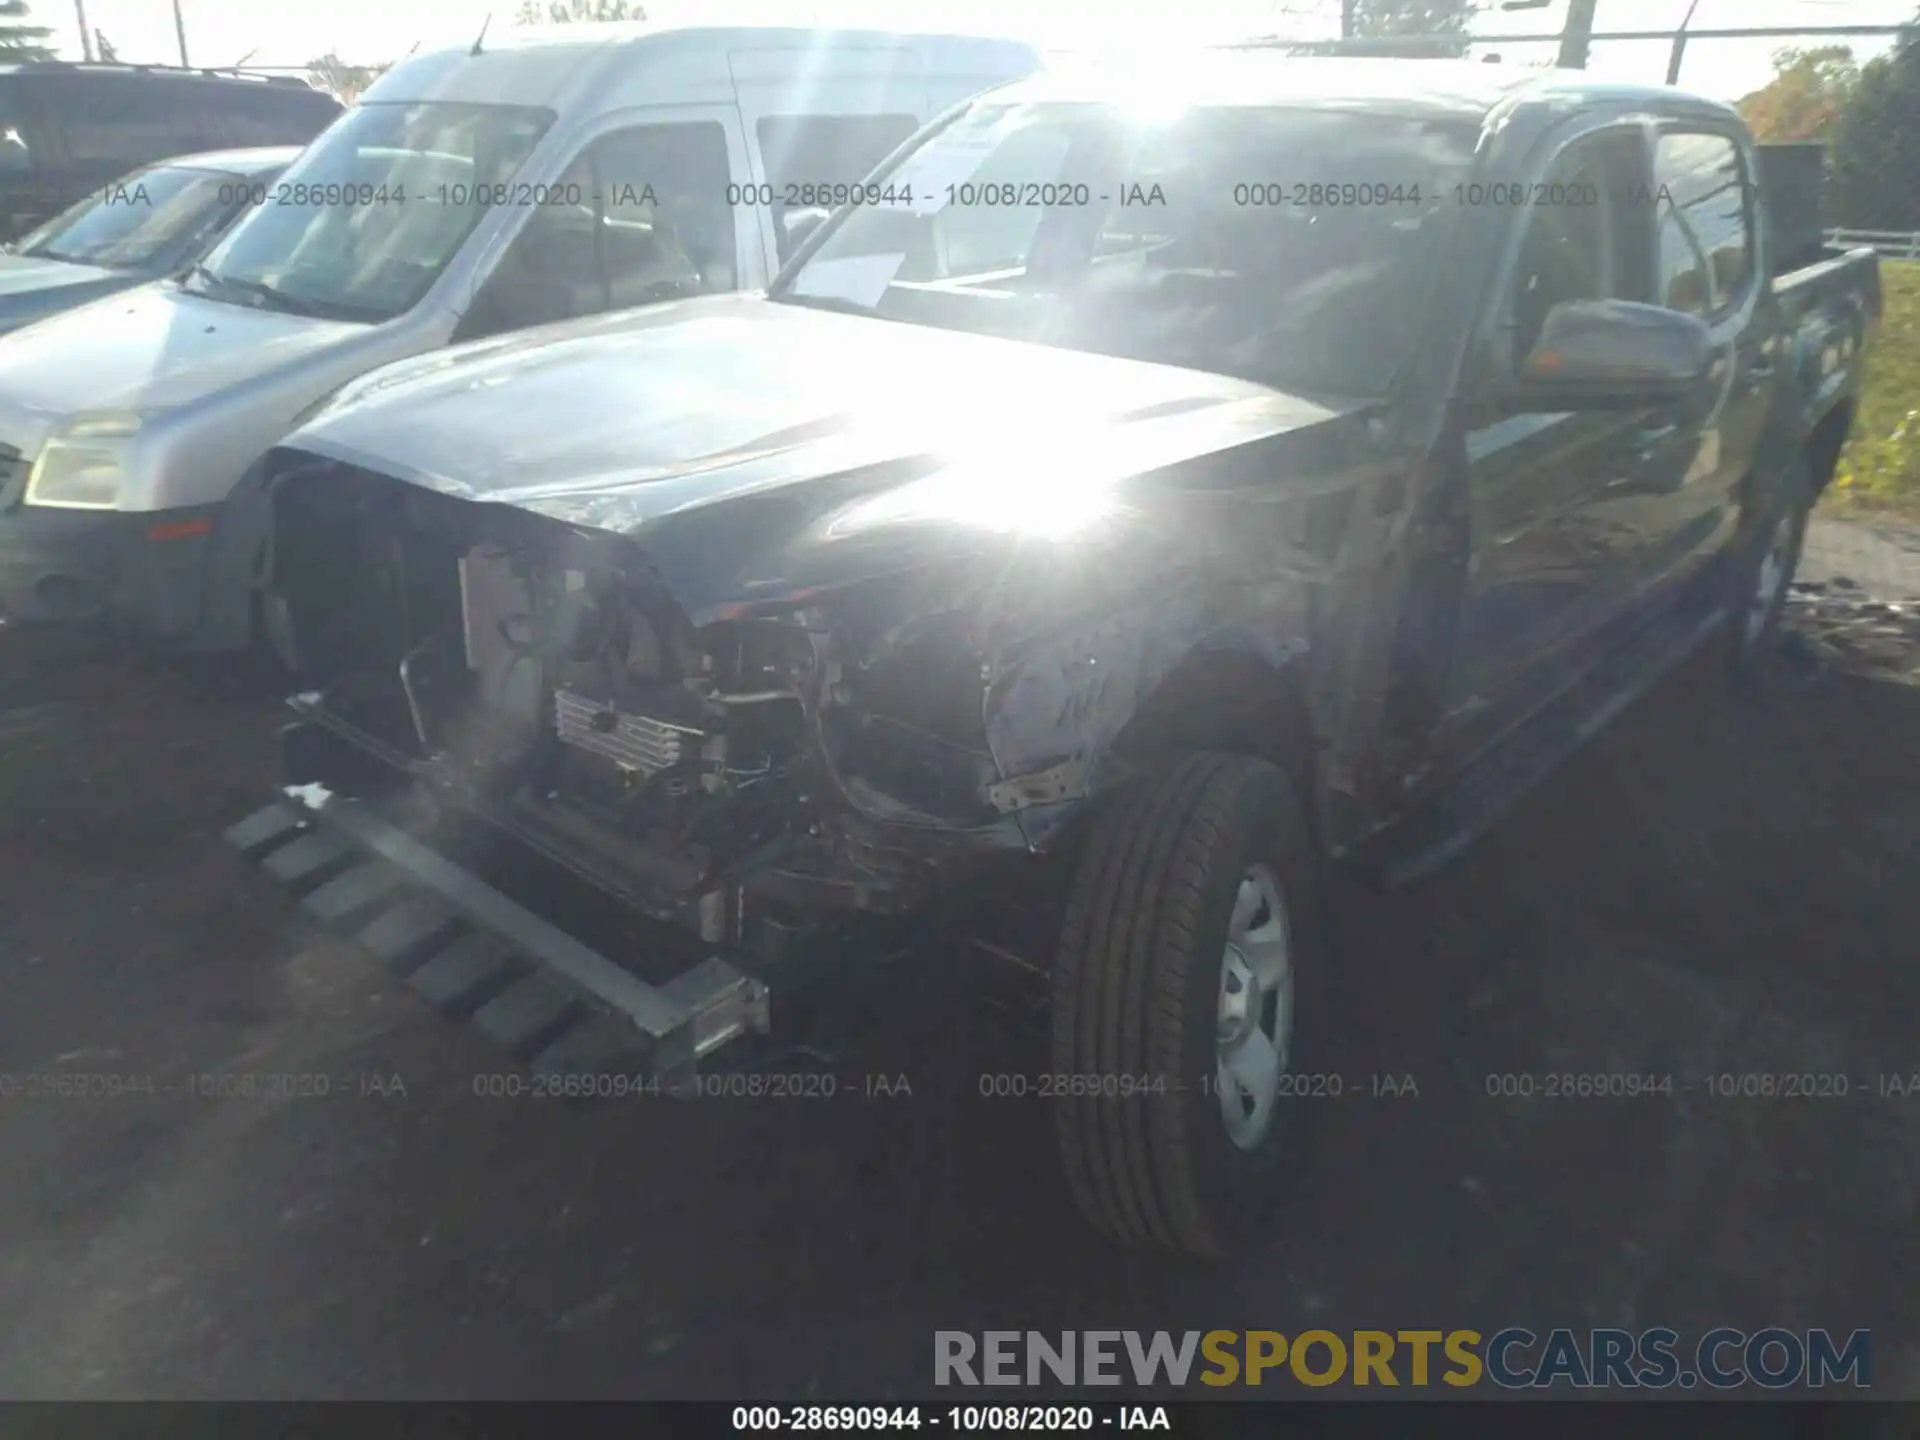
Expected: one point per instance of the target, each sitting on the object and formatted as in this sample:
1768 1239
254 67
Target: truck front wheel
1762 579
1187 960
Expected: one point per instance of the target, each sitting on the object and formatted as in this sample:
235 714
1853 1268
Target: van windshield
1292 247
148 221
365 220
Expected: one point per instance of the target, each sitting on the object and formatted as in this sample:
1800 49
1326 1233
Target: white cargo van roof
611 66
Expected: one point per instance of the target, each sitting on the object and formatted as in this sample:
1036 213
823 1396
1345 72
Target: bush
1881 464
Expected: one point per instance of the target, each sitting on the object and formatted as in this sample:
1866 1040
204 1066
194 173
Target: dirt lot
1716 888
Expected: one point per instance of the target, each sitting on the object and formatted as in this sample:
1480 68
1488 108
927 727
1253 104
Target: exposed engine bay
541 677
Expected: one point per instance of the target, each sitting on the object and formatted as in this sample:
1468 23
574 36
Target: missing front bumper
472 952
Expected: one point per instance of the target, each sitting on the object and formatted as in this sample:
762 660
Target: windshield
370 214
153 219
1295 248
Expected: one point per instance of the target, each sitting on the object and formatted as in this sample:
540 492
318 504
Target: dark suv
66 129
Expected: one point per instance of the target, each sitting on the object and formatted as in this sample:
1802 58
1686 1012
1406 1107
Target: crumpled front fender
1054 712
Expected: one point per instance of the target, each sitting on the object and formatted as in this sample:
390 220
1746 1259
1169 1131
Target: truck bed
1830 308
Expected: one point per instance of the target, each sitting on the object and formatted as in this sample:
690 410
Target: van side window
1704 219
1577 244
804 151
639 217
667 222
124 122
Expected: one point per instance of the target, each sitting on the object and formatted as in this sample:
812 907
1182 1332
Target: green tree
343 81
1380 27
1876 146
565 12
1809 91
1364 19
20 40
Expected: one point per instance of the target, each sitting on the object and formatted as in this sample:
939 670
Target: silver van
542 177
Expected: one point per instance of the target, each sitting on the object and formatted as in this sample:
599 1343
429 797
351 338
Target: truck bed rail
1889 244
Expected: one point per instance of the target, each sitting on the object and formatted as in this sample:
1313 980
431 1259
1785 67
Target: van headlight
82 466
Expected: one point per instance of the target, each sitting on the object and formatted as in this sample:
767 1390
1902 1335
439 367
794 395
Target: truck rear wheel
1187 953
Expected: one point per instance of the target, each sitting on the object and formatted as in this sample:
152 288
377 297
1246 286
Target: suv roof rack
121 67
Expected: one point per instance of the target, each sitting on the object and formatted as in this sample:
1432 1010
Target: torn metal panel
1067 698
1062 782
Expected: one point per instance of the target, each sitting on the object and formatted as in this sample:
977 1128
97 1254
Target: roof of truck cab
635 63
1441 89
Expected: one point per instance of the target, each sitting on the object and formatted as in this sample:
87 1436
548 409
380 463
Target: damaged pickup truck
1176 493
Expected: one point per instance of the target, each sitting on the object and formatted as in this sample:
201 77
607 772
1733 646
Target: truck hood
151 348
32 288
758 449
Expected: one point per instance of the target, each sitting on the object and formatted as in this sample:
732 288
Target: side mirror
797 225
1611 354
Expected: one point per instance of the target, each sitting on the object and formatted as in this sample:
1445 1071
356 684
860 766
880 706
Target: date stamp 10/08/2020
200 1085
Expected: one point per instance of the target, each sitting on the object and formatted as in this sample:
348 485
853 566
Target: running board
1468 806
471 952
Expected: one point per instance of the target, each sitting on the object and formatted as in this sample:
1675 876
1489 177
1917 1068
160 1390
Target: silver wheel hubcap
1255 1030
1772 579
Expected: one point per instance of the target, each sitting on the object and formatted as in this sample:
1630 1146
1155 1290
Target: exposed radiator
635 742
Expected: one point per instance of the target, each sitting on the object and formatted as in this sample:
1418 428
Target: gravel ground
1880 559
1715 887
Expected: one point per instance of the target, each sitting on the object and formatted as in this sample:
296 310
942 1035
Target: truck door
1704 208
1560 529
820 121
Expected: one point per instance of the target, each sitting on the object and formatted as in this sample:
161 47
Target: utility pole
1575 38
86 30
180 29
1680 45
1347 8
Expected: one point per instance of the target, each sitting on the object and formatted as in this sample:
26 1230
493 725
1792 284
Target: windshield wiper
274 299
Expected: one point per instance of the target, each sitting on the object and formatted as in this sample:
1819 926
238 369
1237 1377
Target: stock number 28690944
826 1417
958 1418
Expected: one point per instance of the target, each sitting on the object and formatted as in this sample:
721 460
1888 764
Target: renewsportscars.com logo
1513 1359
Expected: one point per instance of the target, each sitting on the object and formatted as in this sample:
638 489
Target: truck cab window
979 239
1574 246
1704 223
806 152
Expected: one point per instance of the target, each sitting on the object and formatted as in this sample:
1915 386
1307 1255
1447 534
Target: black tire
1751 633
1136 993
